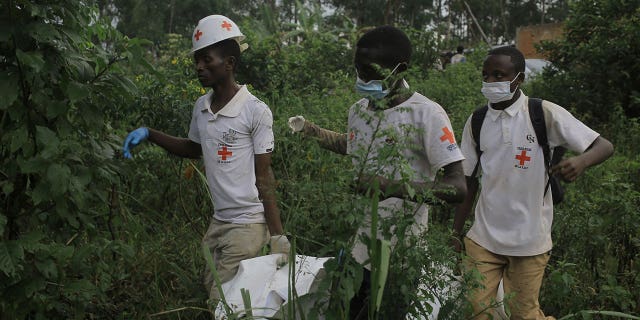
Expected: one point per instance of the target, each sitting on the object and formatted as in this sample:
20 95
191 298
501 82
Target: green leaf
58 176
46 136
7 188
47 139
41 193
10 255
8 90
410 191
56 108
382 270
19 138
32 165
62 252
33 284
47 268
32 59
31 241
77 91
43 32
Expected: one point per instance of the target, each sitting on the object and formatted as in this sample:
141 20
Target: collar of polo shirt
233 107
512 110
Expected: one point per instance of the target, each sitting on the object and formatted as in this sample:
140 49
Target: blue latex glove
133 139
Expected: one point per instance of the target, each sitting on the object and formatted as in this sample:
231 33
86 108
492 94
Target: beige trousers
230 243
522 277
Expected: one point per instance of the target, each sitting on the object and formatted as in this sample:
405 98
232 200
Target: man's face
211 67
497 68
368 65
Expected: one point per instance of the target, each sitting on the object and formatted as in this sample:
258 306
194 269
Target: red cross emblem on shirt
448 135
226 25
522 157
224 153
198 35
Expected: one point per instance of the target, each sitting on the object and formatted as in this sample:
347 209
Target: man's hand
570 169
133 139
296 123
280 245
456 243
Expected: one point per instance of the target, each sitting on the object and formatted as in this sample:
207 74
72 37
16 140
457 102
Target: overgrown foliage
86 234
595 66
61 70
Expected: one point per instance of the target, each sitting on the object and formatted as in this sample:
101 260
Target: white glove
296 123
280 245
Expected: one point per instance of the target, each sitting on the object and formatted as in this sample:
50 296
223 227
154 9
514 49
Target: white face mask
498 91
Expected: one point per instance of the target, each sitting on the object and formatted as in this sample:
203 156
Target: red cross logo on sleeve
198 35
448 135
226 25
224 153
522 157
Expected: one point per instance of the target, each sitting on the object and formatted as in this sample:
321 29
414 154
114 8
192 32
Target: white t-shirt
457 58
230 139
410 141
511 216
418 129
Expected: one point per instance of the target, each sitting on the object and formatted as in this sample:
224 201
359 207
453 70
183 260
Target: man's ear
230 63
521 77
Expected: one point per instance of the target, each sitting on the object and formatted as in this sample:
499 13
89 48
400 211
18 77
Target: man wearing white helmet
232 130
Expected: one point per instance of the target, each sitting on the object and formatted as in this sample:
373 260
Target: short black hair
517 58
460 49
227 48
392 44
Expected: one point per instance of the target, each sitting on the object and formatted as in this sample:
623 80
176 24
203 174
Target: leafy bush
595 61
59 178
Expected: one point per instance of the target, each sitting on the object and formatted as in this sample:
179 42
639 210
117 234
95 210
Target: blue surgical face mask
373 89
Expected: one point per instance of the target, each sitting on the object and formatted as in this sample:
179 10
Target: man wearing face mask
231 130
390 116
510 238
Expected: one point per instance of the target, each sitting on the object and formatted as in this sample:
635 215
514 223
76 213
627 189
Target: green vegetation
85 234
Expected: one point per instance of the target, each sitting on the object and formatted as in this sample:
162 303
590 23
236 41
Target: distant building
528 36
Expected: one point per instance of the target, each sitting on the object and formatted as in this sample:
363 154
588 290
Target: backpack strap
536 114
477 118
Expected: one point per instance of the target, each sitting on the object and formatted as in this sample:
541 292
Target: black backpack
536 114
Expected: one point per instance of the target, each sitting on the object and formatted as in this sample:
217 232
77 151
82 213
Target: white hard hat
213 29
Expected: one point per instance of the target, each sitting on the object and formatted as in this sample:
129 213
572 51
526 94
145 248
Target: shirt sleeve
468 147
262 134
194 132
439 140
565 130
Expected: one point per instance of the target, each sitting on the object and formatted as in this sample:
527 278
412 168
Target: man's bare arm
266 184
178 146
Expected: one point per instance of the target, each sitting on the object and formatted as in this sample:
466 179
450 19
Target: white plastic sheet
268 287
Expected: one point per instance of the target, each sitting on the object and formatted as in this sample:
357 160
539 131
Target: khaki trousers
230 243
522 277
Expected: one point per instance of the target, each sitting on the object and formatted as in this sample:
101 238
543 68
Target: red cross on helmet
213 29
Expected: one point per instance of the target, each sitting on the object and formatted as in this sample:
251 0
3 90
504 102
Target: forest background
85 234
